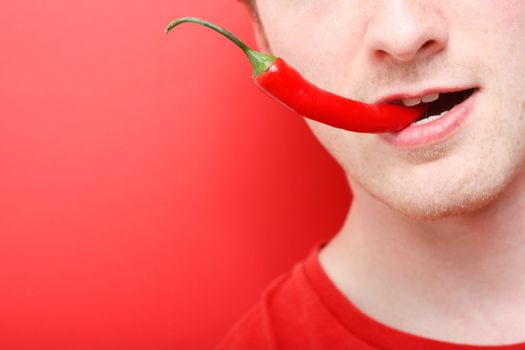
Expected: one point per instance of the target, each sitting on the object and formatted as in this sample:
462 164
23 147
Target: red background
148 190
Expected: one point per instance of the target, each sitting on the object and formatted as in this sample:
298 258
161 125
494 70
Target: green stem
260 61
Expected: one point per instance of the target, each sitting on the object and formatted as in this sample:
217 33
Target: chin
442 204
439 211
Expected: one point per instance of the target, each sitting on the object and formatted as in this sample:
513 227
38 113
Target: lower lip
434 131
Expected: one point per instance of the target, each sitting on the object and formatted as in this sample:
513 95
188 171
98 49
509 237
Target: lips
437 101
441 119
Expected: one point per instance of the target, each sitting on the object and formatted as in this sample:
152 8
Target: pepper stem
259 60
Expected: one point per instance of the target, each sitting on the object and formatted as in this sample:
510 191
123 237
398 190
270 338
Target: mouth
443 114
436 104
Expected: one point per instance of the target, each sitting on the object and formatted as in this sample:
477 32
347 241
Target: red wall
148 190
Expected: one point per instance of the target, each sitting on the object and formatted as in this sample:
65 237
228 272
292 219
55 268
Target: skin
434 243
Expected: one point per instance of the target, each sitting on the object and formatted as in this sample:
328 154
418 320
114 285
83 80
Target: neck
454 279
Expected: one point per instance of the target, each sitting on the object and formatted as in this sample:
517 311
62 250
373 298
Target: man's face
367 50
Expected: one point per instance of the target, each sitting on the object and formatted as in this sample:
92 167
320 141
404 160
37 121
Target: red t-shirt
304 310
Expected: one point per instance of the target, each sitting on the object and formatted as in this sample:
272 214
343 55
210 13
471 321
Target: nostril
428 44
380 54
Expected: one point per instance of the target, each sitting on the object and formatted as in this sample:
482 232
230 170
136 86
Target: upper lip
421 93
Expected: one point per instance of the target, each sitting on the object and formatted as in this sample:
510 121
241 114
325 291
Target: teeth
409 102
429 119
430 98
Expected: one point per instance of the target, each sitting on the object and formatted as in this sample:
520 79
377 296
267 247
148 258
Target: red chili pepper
279 80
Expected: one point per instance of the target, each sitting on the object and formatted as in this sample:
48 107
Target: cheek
495 28
318 38
351 150
505 12
336 143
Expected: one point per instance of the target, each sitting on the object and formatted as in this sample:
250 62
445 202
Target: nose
405 30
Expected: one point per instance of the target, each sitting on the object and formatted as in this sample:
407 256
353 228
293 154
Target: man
432 253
